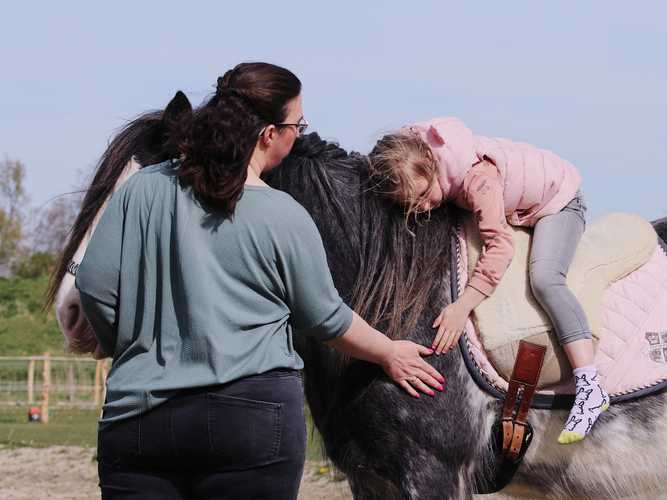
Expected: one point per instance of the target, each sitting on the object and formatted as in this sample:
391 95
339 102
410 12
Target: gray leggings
555 240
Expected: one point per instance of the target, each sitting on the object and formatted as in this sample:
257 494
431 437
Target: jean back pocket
118 442
243 432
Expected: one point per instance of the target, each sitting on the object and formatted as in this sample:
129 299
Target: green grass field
65 427
24 329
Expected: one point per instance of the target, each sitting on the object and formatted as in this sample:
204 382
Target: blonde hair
396 162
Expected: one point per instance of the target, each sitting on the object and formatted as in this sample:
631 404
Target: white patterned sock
590 400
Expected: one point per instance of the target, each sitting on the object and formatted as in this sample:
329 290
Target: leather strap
522 386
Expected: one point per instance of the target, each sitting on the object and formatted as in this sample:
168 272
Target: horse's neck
66 284
130 169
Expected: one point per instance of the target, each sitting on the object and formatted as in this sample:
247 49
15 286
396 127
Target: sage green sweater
182 297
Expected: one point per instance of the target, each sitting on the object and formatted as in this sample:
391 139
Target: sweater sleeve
103 319
98 275
483 196
316 308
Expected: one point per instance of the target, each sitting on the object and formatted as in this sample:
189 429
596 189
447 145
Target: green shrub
24 328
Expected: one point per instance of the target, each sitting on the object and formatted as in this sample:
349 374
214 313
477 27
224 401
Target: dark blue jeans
241 440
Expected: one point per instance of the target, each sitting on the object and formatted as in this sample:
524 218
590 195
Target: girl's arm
483 196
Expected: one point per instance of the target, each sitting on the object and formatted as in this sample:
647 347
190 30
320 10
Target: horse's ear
177 108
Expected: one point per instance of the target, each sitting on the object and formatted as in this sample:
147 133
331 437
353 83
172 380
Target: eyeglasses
301 126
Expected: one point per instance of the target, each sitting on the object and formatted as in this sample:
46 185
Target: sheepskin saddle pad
619 274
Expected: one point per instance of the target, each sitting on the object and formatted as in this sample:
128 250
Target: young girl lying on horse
501 182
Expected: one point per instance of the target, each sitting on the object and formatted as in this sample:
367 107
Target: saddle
619 274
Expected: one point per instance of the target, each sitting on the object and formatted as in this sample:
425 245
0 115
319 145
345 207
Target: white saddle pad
611 248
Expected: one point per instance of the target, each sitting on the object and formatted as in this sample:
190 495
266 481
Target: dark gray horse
391 446
388 444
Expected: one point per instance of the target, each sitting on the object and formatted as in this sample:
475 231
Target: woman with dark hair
195 281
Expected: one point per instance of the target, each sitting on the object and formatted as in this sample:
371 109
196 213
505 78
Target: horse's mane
379 264
394 276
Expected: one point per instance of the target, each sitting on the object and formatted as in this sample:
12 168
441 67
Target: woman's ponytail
223 133
217 149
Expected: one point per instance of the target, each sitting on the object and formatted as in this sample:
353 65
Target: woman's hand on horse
450 324
400 359
405 366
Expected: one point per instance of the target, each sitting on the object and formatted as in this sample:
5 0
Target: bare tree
13 204
51 224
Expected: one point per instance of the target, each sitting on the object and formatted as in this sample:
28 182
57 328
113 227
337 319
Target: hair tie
224 81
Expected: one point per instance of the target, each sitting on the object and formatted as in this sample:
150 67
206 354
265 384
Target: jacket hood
453 145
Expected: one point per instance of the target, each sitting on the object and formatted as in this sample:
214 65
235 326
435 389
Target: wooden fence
48 381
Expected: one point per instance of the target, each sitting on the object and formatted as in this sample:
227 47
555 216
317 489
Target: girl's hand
405 366
450 323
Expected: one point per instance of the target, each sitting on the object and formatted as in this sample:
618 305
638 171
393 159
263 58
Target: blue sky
584 79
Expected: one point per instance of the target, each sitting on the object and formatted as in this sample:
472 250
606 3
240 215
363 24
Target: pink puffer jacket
536 181
510 182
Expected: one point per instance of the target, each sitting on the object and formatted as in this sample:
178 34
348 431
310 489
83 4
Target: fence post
96 386
105 372
70 382
31 381
46 382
